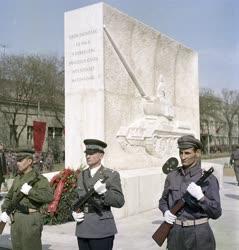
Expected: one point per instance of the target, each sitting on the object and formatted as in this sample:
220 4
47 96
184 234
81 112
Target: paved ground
135 232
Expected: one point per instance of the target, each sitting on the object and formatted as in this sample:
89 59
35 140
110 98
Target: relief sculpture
155 133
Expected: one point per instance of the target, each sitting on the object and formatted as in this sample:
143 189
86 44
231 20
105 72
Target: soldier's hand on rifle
195 191
4 217
169 217
100 187
78 217
26 188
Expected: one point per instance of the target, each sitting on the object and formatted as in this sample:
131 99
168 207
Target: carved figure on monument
141 134
161 104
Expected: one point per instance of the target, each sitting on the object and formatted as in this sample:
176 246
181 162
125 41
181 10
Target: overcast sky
209 27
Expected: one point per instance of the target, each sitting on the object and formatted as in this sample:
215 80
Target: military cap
93 146
24 153
189 141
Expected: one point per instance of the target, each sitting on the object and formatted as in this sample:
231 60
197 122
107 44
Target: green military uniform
27 226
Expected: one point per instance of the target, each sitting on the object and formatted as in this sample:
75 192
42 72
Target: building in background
214 134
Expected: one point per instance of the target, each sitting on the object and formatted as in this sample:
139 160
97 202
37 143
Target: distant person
38 161
191 229
49 161
234 160
3 165
27 226
96 228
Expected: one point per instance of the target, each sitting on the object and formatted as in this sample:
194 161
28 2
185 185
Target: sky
210 27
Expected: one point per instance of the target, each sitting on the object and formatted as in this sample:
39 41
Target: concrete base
142 189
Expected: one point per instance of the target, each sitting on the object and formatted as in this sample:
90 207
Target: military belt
90 209
188 223
27 211
32 210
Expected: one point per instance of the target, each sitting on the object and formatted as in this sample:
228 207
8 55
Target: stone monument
133 87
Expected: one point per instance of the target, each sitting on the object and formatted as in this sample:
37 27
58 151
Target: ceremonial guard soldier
26 221
96 226
191 229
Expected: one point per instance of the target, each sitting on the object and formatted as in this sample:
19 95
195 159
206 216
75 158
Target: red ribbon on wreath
52 207
60 180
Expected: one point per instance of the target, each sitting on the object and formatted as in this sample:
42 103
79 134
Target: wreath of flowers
64 185
68 176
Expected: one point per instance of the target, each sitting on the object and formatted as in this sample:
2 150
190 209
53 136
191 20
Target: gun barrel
127 67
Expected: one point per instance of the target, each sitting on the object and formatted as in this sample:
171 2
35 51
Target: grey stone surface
141 86
135 231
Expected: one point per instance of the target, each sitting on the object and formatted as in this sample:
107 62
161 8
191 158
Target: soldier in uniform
191 229
234 160
27 223
95 228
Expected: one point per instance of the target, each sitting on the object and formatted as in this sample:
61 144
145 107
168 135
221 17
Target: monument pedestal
142 189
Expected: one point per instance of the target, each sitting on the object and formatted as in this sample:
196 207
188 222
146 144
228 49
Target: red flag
39 130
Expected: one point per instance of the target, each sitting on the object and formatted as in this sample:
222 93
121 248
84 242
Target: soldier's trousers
236 169
199 237
96 244
26 231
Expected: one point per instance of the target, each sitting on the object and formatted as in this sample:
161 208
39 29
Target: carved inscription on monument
83 62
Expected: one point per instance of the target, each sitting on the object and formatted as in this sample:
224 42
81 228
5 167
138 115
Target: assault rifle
79 205
14 204
162 232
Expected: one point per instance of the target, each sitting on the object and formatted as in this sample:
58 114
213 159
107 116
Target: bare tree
53 92
209 110
23 82
230 110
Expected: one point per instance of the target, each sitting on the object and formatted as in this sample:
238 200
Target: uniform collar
94 170
192 170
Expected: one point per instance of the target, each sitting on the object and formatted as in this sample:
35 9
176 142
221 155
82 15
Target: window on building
29 135
54 132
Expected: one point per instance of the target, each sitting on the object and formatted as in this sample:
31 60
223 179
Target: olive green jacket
40 194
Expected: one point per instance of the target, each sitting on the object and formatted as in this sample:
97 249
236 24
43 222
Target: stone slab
140 109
